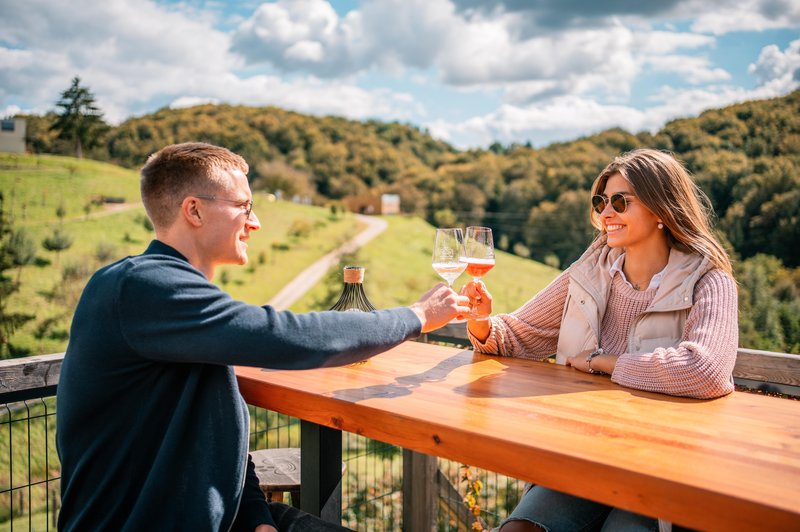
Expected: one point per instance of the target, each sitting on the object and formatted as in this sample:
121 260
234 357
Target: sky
470 72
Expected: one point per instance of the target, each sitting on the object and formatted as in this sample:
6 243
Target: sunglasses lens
598 203
618 203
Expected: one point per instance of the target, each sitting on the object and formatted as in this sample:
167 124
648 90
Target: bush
300 228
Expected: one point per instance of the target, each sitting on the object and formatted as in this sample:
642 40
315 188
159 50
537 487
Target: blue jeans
558 512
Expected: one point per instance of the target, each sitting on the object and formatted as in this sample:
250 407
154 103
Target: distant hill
746 157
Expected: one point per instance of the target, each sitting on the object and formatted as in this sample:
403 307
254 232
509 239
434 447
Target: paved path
301 284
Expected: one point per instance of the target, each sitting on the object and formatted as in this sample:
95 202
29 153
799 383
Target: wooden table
726 464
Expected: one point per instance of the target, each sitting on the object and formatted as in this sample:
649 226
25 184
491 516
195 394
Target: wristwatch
597 352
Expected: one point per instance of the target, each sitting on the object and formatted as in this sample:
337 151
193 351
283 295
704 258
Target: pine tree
79 120
58 241
9 321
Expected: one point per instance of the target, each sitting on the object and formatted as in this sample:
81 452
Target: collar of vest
675 292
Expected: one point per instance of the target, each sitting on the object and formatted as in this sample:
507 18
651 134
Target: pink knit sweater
700 366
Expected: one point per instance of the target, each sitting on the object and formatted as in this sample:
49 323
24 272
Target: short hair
667 189
179 170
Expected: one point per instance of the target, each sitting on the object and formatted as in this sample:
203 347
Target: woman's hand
604 363
480 300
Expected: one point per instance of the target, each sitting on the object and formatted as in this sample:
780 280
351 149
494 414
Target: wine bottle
353 298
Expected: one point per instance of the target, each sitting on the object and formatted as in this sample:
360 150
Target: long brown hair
666 188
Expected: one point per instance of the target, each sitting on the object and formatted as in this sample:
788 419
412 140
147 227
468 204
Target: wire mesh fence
372 498
29 466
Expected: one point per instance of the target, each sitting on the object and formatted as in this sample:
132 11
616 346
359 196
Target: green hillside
746 157
398 265
36 188
43 193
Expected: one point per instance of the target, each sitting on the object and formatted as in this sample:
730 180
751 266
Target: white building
12 135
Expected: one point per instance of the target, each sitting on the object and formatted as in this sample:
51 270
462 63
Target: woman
652 303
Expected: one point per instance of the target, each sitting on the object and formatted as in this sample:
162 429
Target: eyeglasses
241 203
619 202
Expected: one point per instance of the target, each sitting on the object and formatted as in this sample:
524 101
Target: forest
745 157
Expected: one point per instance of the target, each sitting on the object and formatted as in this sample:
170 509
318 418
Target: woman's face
637 226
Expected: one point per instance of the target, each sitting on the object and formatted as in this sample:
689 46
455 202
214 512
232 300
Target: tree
58 241
22 249
79 120
9 321
559 228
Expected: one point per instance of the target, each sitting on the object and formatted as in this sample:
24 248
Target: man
151 430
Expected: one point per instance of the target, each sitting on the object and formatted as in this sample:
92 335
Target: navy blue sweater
152 432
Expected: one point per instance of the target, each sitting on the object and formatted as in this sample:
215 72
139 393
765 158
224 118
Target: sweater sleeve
532 330
169 312
701 366
253 508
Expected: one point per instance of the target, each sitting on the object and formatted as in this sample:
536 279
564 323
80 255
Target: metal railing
371 490
372 493
29 466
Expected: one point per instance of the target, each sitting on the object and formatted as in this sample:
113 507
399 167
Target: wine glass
479 255
448 253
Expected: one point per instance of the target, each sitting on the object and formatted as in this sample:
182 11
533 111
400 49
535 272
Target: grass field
398 264
37 189
43 193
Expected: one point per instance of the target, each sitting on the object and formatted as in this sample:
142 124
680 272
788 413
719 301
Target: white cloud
552 73
665 42
136 53
309 36
569 117
695 70
776 69
10 110
728 16
305 51
128 53
310 95
191 101
559 118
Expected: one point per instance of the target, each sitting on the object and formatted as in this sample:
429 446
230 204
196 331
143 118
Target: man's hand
266 528
438 306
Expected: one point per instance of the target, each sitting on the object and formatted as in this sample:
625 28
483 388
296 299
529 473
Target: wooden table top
723 464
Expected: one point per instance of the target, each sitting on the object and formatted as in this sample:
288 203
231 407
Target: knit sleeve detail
532 330
701 366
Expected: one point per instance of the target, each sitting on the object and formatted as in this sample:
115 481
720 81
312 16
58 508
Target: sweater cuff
412 321
490 345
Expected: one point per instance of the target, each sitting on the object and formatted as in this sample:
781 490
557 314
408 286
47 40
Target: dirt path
107 210
297 287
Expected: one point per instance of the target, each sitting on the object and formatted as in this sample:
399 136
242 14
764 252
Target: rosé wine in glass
479 256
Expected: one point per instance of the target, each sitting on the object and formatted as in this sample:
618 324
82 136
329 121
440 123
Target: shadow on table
405 384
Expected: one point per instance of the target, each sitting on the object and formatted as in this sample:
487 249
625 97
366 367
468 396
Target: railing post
321 471
420 491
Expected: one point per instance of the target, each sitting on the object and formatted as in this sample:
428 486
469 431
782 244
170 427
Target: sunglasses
618 201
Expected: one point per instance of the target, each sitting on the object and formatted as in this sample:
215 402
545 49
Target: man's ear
190 210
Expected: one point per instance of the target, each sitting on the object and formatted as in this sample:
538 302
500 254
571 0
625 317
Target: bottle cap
353 274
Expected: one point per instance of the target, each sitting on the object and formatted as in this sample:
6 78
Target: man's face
225 235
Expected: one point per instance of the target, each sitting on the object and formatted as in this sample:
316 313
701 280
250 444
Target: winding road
297 287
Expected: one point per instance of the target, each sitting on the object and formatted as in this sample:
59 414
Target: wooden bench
278 472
